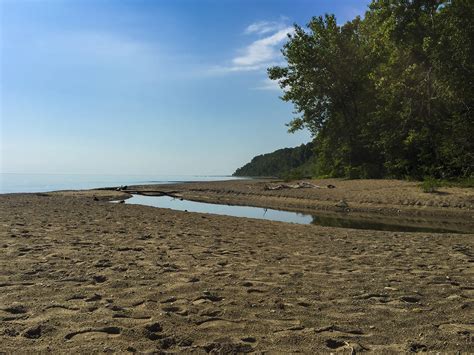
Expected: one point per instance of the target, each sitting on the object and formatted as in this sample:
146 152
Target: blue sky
146 87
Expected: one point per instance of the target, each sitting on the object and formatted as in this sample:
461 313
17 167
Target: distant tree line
390 95
287 162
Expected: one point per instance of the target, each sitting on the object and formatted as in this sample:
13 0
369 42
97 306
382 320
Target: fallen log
174 194
299 185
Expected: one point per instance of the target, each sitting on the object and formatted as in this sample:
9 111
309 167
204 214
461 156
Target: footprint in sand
152 331
37 331
103 263
99 278
16 309
335 343
227 346
219 323
104 330
171 309
154 327
417 347
59 308
458 328
95 297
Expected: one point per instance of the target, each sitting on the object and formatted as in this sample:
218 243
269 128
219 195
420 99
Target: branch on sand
298 185
173 194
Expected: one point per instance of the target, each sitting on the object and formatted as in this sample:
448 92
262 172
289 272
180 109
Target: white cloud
260 54
263 27
263 50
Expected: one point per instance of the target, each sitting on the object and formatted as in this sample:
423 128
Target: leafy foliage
430 185
390 95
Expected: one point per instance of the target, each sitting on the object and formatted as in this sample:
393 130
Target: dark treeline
284 162
390 95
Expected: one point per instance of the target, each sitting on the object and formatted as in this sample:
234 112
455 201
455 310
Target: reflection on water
341 220
377 224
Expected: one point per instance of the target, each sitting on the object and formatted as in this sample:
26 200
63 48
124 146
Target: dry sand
79 275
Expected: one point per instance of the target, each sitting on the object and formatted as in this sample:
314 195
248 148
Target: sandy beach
81 274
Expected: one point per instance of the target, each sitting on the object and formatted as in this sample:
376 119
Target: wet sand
79 274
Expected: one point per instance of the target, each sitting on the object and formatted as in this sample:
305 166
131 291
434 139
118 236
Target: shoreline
85 275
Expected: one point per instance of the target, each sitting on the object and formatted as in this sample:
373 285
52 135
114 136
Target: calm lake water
341 220
52 182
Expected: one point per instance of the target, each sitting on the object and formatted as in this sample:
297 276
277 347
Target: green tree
453 61
390 95
326 79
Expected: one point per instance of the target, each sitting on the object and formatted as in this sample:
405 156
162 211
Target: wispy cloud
263 27
101 54
94 45
262 52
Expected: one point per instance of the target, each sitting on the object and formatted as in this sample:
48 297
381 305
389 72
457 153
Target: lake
10 183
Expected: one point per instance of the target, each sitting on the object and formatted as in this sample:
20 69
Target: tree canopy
390 95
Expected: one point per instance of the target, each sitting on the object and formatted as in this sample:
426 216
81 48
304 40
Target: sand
80 275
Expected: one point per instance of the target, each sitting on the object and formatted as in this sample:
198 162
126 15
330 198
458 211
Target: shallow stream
341 220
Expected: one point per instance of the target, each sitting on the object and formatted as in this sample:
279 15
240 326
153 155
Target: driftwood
298 185
174 194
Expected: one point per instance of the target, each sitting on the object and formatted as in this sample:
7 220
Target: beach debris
95 198
125 189
173 194
342 204
417 347
248 339
298 185
228 345
410 299
352 347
